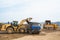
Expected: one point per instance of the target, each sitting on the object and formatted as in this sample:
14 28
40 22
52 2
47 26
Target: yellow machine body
4 27
50 25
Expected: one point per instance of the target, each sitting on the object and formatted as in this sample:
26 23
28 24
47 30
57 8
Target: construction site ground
44 35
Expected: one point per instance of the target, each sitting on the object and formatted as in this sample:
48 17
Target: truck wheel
21 30
30 32
9 30
38 32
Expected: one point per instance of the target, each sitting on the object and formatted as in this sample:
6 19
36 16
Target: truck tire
21 30
38 32
10 30
30 32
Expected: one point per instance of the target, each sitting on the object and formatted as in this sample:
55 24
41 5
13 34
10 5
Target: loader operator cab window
48 22
15 23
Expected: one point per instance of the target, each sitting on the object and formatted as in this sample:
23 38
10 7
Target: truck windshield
36 25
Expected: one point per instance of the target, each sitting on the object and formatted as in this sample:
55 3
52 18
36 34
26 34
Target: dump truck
49 25
21 27
34 27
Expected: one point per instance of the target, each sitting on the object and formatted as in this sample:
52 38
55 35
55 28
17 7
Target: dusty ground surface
44 35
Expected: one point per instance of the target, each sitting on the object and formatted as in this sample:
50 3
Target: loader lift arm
25 20
22 26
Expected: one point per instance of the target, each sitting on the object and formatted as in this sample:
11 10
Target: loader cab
15 23
47 22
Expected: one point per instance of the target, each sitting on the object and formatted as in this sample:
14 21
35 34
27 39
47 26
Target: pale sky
39 10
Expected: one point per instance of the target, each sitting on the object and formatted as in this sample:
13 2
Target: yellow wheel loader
14 26
50 26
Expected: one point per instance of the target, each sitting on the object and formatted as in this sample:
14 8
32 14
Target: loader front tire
10 30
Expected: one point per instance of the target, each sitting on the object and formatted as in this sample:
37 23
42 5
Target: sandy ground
44 35
47 36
